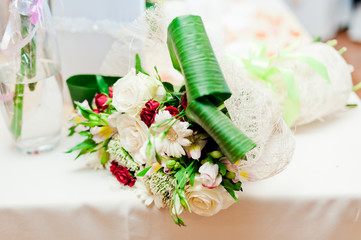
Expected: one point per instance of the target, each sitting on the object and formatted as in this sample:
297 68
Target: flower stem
28 69
18 108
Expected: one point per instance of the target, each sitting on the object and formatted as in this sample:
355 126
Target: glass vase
31 98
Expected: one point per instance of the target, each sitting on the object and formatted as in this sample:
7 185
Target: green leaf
222 168
104 158
102 85
232 193
193 56
86 144
71 131
231 187
191 179
182 89
138 65
143 172
85 134
87 113
82 152
181 177
90 123
168 87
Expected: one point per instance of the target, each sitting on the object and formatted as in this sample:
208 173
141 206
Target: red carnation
184 101
148 113
111 92
122 174
100 101
172 110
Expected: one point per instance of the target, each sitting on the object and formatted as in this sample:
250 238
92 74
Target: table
51 196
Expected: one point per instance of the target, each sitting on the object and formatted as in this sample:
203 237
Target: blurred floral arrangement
175 143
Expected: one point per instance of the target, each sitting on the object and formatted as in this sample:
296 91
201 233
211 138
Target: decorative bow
262 67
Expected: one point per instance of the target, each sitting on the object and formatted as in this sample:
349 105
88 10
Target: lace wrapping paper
318 97
255 111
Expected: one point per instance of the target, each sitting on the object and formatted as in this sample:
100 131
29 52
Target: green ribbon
262 67
356 87
193 56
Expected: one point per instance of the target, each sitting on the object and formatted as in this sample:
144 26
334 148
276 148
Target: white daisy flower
171 142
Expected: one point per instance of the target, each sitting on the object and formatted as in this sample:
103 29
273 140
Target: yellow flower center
172 136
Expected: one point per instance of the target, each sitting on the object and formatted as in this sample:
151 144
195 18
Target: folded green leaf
193 56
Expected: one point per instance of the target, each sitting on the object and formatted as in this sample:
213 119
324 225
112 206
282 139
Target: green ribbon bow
193 56
262 67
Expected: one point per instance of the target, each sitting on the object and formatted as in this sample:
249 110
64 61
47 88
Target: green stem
32 66
28 69
18 108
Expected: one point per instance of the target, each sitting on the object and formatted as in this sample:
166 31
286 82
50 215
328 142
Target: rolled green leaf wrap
84 87
193 56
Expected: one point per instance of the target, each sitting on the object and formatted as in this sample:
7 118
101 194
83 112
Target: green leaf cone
193 56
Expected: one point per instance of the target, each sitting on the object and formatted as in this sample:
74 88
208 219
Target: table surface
52 193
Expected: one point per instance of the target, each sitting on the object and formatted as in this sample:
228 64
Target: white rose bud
209 175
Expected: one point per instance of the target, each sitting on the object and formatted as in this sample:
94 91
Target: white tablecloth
51 196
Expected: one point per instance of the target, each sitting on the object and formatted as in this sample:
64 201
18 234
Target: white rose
207 202
131 92
209 175
154 87
133 133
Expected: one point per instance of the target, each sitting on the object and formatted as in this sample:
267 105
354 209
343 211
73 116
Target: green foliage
104 158
86 146
138 65
193 56
143 172
102 85
222 168
231 187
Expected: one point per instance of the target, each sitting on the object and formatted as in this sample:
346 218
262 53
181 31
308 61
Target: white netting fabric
251 106
147 36
254 110
318 98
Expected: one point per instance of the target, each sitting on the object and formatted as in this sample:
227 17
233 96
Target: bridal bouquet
179 145
176 141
